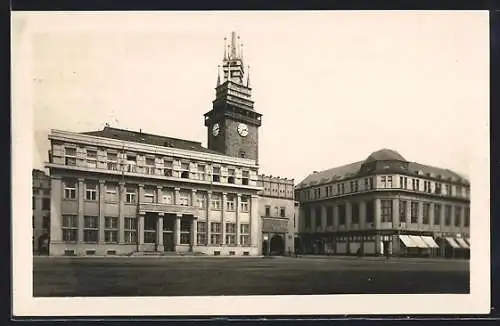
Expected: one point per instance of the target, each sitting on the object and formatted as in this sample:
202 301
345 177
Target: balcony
168 209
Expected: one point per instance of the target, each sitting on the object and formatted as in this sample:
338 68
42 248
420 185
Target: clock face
243 129
215 129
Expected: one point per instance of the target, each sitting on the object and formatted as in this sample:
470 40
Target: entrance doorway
277 245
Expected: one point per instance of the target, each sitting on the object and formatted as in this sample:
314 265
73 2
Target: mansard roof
145 138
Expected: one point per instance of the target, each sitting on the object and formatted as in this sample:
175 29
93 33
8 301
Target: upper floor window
447 188
131 163
91 158
414 212
168 164
386 208
268 211
426 213
427 186
149 195
282 212
70 155
230 202
403 182
458 215
91 191
69 189
415 184
45 204
216 174
130 195
216 201
244 204
437 188
386 181
111 193
231 175
201 200
447 215
245 178
201 171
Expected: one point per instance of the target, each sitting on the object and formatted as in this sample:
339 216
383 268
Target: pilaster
209 230
362 214
223 215
56 191
159 232
102 218
255 236
140 228
177 192
395 213
159 194
238 203
121 212
378 213
348 215
80 209
177 229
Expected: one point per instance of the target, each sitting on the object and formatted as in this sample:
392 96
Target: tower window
242 154
216 174
230 178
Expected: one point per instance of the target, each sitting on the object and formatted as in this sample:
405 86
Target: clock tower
232 124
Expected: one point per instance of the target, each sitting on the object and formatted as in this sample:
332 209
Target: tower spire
218 75
248 76
233 45
225 48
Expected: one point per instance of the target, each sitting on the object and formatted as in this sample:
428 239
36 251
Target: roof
144 138
385 155
349 170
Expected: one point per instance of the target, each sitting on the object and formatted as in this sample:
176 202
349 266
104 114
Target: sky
333 87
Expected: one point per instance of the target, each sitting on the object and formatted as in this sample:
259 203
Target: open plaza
214 276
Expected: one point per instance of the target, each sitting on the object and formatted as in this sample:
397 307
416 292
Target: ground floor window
70 228
185 232
201 236
111 229
244 234
130 230
230 233
215 236
91 229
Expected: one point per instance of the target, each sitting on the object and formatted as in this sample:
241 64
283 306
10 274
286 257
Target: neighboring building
277 209
116 191
385 205
41 211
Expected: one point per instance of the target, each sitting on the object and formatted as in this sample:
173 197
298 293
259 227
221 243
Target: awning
430 241
407 241
419 241
452 243
462 243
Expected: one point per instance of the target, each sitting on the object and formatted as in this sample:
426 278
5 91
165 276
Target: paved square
184 276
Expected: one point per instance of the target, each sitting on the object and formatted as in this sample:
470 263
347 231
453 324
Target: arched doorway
297 244
277 245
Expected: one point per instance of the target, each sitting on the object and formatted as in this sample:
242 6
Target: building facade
277 210
41 211
117 192
384 205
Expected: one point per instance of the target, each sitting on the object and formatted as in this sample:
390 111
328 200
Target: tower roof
385 155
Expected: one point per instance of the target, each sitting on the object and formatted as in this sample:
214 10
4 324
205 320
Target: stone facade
41 211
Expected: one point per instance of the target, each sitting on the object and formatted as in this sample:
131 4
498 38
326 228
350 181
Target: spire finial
233 45
218 75
225 48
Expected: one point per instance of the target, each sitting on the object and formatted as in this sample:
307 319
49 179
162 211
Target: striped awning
462 243
419 241
407 241
430 241
452 242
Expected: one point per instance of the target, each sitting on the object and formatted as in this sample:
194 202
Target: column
431 216
255 237
362 215
80 209
238 204
335 217
408 213
377 214
102 222
462 220
193 197
395 213
323 218
420 215
194 232
209 230
140 196
159 232
177 192
121 214
348 215
178 229
56 191
223 213
159 194
442 246
140 228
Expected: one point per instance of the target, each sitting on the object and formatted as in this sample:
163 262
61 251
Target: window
342 214
150 229
448 189
383 181
355 213
216 201
447 215
326 192
282 212
230 233
245 234
185 170
268 211
201 233
149 195
425 213
185 232
403 182
150 161
438 188
201 172
369 211
389 181
242 154
467 217
46 222
183 199
111 229
130 195
111 193
230 202
317 216
231 175
246 177
437 214
91 229
216 174
386 208
45 204
167 167
354 186
33 202
112 161
215 236
329 215
415 184
414 212
91 158
91 191
458 215
201 200
70 228
307 218
150 165
131 163
427 186
69 190
402 210
70 155
130 229
244 203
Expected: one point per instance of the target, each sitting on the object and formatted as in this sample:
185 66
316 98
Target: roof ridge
144 134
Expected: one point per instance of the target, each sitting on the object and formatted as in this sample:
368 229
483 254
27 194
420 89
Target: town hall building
123 192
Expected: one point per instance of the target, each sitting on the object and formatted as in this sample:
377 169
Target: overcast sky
332 86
